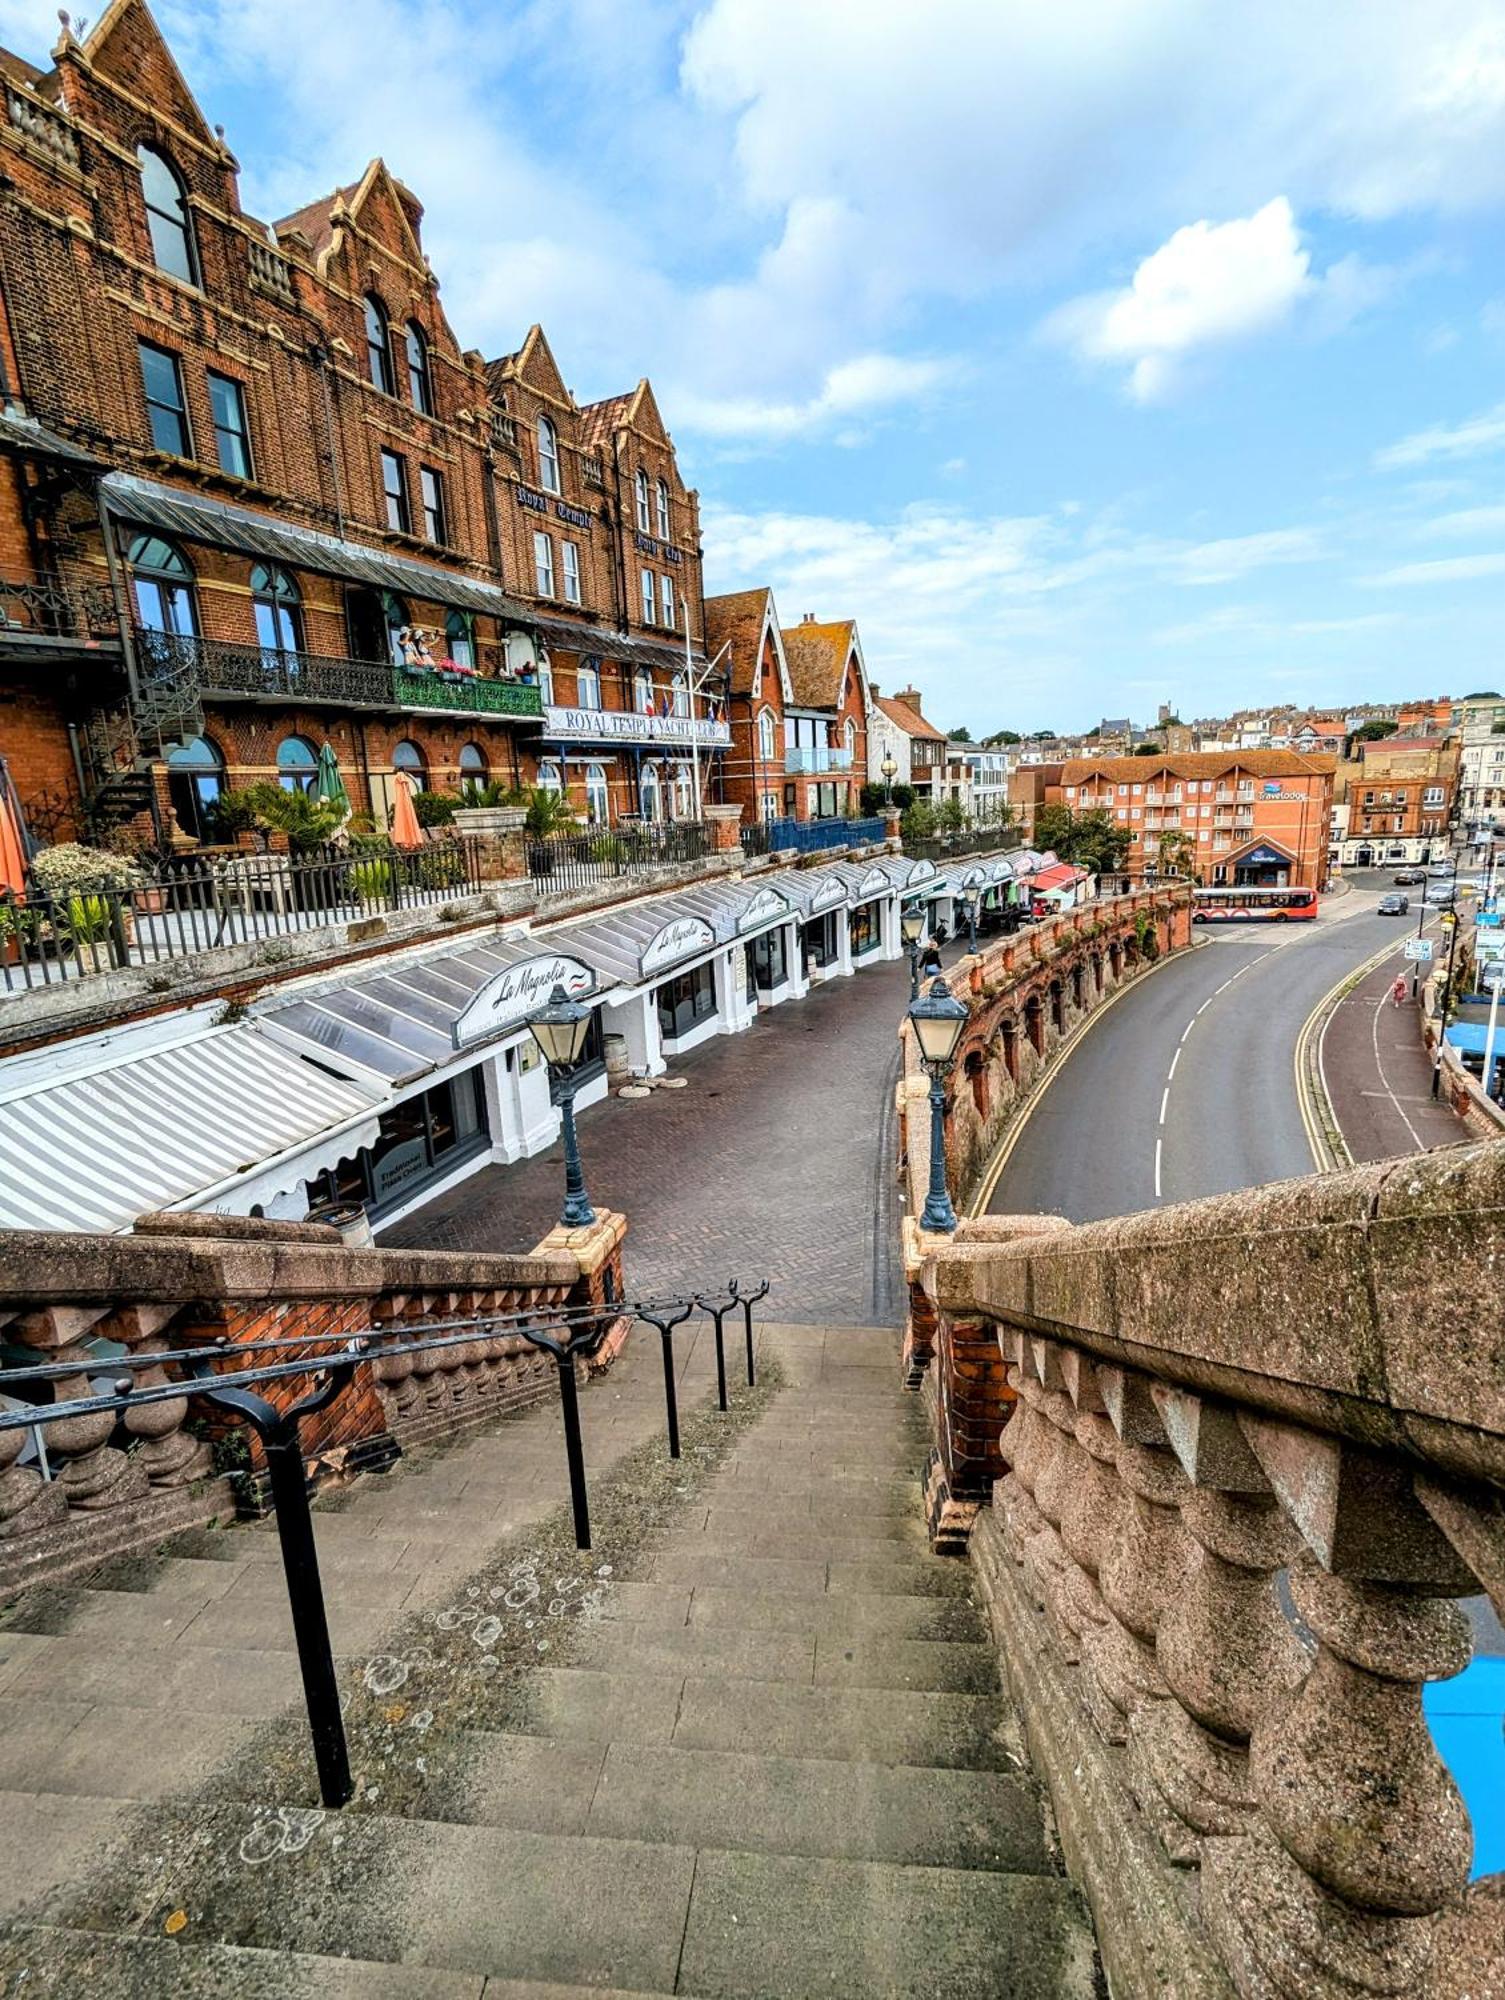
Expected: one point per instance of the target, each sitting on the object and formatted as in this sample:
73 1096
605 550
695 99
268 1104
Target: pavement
751 1745
775 1160
1186 1086
1375 1069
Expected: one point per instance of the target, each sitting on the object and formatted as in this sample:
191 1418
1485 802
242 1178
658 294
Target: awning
646 941
159 1130
397 1025
20 432
1061 876
195 517
866 879
814 891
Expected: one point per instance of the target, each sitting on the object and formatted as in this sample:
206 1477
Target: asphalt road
1186 1086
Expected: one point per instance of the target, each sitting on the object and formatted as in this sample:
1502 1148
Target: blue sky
1090 352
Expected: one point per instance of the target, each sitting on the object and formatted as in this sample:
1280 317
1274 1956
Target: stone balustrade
98 1486
1252 1449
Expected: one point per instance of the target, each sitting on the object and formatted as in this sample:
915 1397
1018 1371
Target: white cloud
1471 438
1466 521
860 388
1236 556
1450 569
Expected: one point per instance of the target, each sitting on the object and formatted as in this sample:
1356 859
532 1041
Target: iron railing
228 669
573 860
192 905
968 840
215 1373
64 607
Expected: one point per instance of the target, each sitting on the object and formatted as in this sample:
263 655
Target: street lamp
888 767
560 1030
938 1019
910 926
969 917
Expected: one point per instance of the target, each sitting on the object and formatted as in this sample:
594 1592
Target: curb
1323 1131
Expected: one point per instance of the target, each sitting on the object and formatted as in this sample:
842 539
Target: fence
809 836
574 860
971 840
201 901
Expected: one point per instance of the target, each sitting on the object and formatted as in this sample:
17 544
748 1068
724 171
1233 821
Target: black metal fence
184 907
216 1372
574 860
983 839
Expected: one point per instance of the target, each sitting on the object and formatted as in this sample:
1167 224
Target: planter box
492 821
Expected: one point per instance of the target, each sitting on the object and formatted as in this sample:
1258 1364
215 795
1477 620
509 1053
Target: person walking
1398 990
930 963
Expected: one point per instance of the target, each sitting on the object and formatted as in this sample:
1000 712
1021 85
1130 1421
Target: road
1186 1086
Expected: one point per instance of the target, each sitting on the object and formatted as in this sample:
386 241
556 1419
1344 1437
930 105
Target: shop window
232 436
863 928
417 1141
420 385
297 764
768 959
378 345
548 456
163 584
406 756
597 796
818 940
166 411
167 218
685 1002
195 779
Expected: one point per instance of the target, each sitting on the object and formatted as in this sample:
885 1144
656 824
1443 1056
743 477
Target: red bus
1252 906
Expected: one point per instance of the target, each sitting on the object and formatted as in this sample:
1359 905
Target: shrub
73 870
435 808
233 813
371 881
441 868
307 821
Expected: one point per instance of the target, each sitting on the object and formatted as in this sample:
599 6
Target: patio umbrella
329 786
406 832
15 842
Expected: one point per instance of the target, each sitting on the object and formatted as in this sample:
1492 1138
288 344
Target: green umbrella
329 786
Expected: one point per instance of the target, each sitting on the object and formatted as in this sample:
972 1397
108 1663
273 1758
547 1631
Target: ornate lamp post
969 917
560 1030
938 1019
911 923
888 767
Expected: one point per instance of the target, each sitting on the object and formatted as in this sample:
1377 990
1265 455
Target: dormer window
645 516
167 217
378 347
548 456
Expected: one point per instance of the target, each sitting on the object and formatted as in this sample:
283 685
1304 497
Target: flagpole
690 689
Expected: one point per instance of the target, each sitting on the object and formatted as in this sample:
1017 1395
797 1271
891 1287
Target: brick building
742 630
1252 817
1393 801
825 719
255 496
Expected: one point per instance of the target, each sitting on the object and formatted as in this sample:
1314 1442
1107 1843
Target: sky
1091 353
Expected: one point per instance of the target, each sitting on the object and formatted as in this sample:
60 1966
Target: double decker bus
1252 906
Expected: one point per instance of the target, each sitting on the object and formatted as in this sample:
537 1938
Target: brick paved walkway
774 1161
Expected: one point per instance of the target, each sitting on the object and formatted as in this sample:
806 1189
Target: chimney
910 698
808 618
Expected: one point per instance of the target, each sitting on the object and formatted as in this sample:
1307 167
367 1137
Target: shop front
874 892
420 1141
768 926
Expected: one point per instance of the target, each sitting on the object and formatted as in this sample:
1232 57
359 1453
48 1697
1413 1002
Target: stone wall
1297 1386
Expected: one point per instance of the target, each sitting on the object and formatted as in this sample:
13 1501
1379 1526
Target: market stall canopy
169 1127
647 940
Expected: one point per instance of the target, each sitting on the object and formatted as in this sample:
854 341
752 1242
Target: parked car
1440 896
1441 867
1393 906
1403 878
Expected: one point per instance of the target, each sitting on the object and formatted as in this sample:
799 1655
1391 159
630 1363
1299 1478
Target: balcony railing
228 670
810 758
56 608
203 901
773 836
602 854
625 725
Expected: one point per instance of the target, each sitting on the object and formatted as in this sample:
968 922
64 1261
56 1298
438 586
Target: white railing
807 757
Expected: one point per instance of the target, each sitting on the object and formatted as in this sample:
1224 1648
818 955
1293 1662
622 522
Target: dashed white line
1158 1144
1165 1098
1170 1075
1204 1006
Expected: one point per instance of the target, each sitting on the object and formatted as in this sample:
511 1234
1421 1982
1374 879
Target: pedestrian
1398 990
930 963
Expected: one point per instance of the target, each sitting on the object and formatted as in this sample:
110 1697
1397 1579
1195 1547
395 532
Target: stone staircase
753 1745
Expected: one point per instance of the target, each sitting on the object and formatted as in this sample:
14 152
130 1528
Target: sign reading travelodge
766 904
518 991
677 940
625 726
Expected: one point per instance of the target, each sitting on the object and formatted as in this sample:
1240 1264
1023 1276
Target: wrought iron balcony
38 613
223 670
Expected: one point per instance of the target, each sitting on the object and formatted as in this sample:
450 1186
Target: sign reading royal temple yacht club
766 904
677 940
518 991
596 723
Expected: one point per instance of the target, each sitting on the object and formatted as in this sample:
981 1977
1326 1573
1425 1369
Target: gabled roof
316 220
599 420
818 656
534 366
319 219
902 716
114 47
741 621
1201 764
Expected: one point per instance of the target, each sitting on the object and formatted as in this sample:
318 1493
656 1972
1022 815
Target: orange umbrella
12 848
406 832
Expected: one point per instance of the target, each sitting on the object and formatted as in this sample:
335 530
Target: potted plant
20 932
85 891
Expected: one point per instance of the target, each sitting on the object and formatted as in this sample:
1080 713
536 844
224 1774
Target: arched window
644 686
163 584
297 764
406 756
767 735
474 770
378 346
548 778
640 487
395 612
851 739
681 696
597 808
548 456
275 601
167 219
420 388
460 638
195 779
650 798
663 511
684 793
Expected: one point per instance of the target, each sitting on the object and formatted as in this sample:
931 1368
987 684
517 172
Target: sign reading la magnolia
767 903
675 941
511 995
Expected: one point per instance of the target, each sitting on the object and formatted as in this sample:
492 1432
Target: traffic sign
1419 948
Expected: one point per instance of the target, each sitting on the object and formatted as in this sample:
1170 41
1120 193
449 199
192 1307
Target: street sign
1493 974
1419 948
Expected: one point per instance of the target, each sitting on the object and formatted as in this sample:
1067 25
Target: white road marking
1204 1006
1157 1169
1171 1073
1374 1035
1165 1098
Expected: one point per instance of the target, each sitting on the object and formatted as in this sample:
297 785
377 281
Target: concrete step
842 1659
854 1614
682 1561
